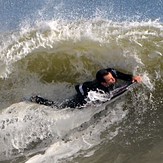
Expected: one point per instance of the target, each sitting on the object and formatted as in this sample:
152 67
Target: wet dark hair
100 75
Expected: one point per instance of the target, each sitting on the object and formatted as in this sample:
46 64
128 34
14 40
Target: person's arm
137 79
123 76
82 89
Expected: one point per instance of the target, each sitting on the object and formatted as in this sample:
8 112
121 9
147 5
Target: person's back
104 82
99 82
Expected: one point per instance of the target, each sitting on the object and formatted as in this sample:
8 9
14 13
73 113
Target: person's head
105 77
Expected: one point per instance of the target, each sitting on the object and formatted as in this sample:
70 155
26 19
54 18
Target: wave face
48 55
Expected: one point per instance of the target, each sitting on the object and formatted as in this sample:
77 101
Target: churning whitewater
47 58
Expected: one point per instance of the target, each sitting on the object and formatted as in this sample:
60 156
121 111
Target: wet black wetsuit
83 89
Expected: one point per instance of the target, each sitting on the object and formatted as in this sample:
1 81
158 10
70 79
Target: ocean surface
46 47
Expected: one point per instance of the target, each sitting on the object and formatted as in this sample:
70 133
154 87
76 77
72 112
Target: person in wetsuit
105 80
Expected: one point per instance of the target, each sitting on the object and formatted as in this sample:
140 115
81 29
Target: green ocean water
49 59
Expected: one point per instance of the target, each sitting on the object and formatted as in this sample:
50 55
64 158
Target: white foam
80 141
71 131
147 82
59 35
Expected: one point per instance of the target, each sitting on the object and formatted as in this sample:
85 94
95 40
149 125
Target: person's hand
137 79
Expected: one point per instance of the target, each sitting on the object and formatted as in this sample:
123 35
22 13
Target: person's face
109 80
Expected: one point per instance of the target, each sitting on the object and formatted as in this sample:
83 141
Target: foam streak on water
48 59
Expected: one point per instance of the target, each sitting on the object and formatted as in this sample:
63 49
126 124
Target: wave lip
48 59
90 38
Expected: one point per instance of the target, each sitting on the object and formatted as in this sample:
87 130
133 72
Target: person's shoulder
85 84
90 83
